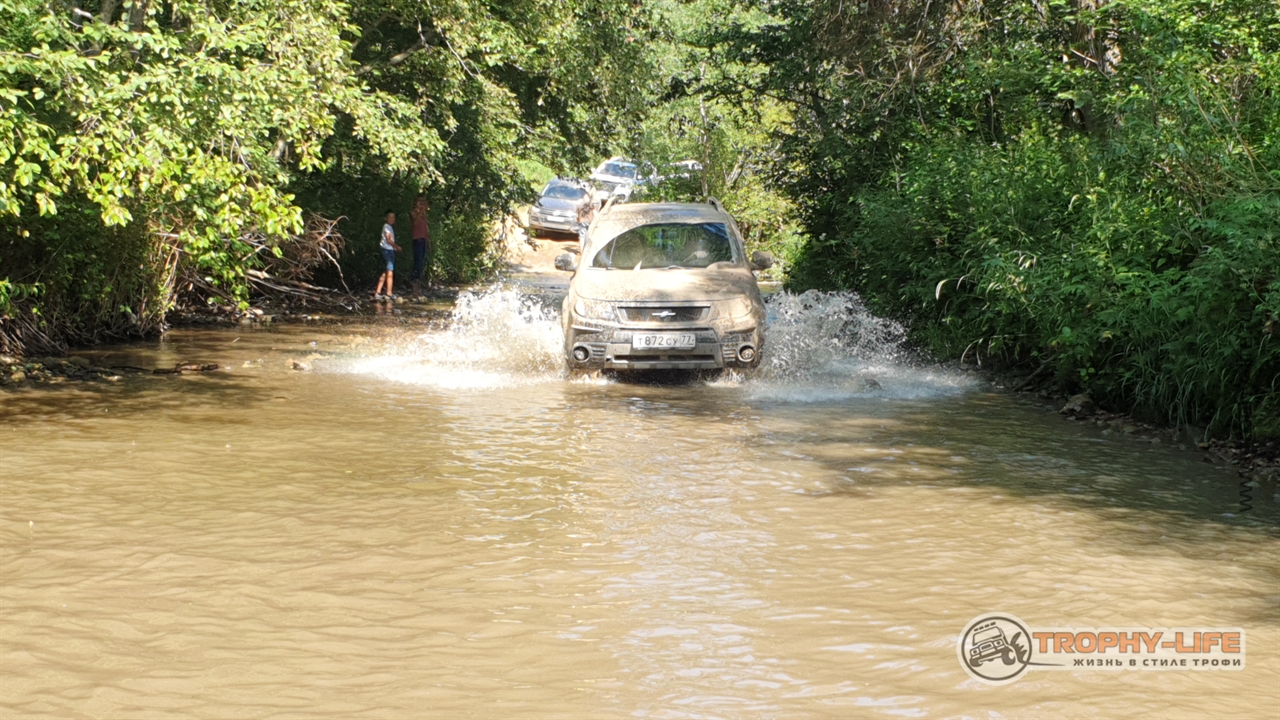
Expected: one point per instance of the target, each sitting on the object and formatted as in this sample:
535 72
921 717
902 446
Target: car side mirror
565 262
761 260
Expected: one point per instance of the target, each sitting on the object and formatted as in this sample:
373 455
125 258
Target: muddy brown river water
440 524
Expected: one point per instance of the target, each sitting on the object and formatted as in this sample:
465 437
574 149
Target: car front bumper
609 348
553 223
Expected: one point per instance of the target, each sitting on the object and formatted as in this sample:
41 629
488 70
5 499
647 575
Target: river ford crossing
440 523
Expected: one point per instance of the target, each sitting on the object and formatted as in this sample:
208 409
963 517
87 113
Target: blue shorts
389 256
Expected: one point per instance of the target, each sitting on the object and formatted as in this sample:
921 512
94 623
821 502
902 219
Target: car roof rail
715 202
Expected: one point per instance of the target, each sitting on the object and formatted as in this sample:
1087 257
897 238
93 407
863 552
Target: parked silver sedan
664 286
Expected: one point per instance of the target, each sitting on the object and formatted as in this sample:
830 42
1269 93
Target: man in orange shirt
421 243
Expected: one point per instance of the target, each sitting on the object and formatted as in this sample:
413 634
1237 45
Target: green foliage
185 112
181 122
517 90
699 113
1091 185
535 174
80 282
210 127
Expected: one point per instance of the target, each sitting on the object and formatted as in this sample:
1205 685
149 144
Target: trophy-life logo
999 648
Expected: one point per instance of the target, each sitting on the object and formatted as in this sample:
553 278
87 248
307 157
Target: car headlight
736 308
593 310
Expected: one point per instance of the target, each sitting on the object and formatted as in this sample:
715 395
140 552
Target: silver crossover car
663 286
557 207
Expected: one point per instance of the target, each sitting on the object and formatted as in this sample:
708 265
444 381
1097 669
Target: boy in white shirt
389 249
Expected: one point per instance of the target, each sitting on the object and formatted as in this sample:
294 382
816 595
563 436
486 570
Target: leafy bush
72 280
1091 186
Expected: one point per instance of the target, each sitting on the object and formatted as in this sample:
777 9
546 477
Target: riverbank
1253 460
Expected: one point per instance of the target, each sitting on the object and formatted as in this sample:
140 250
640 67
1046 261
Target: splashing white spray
823 346
819 347
815 333
497 338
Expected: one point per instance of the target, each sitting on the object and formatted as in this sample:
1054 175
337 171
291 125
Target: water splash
497 338
819 347
815 333
822 346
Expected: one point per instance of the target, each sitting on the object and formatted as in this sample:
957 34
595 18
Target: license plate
663 341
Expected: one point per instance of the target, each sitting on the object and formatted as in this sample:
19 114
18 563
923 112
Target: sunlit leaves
195 117
1128 147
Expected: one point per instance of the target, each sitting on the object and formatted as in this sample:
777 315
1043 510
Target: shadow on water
1019 447
1147 500
244 357
133 396
1013 445
1051 457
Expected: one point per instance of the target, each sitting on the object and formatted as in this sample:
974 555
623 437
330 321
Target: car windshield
667 245
617 170
986 635
564 192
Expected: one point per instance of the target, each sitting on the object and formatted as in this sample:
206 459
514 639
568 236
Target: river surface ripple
415 528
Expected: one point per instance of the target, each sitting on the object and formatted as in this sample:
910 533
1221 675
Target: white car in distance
615 177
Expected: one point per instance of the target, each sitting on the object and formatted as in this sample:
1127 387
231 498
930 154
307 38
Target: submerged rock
184 368
1079 406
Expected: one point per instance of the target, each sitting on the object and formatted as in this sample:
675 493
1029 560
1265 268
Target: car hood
561 204
671 286
614 179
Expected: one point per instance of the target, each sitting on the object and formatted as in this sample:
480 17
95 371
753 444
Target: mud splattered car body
664 286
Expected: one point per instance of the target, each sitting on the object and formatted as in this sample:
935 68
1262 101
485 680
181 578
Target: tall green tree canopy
1090 185
189 114
141 137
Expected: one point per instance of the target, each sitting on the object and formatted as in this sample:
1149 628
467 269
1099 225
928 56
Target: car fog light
746 353
581 354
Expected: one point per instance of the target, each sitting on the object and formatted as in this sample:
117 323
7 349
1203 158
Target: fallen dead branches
284 267
300 255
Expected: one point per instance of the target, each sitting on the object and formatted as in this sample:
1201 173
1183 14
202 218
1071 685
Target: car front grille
665 314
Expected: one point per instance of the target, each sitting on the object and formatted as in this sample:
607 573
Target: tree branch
400 57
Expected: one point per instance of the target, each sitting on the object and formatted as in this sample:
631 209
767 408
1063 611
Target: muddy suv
663 286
